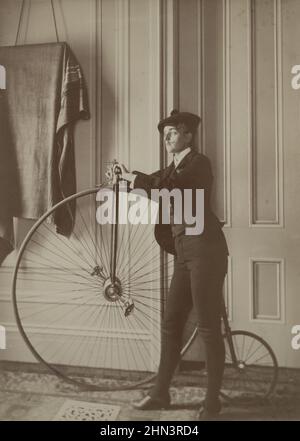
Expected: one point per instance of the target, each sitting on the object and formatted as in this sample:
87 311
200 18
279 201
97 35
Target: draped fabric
44 98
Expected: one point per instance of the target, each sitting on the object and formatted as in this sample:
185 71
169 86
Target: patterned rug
73 410
32 396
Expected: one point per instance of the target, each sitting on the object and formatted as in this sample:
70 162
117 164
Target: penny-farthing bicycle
89 307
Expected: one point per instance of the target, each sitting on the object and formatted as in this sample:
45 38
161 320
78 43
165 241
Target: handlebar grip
117 170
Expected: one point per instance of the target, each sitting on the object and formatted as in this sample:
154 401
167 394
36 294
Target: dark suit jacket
193 172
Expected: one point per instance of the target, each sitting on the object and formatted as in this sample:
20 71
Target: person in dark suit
200 264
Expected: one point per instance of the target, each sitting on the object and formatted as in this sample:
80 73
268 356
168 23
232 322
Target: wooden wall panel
266 125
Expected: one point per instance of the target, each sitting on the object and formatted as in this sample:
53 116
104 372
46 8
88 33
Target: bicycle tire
94 377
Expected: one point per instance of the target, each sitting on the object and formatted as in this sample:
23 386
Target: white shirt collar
178 157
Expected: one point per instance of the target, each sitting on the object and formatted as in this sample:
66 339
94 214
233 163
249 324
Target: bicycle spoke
256 371
71 314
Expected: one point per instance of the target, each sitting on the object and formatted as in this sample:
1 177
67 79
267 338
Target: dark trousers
199 272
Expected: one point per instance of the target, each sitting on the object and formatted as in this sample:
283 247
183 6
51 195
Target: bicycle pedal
98 271
129 310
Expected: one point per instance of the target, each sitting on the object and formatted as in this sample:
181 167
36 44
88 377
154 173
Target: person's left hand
124 169
125 174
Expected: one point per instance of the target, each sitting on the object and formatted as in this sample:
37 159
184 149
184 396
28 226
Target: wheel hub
112 290
113 293
241 365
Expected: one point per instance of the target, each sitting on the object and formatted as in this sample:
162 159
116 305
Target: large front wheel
91 320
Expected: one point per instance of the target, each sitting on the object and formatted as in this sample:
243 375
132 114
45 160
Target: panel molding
79 332
201 73
226 93
169 92
280 296
48 299
93 95
278 80
228 291
122 87
98 163
155 75
227 111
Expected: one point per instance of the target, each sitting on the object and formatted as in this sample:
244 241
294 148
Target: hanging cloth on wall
45 96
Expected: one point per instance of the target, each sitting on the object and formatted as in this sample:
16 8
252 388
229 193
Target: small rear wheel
255 370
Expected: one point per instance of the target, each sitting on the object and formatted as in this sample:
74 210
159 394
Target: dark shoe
149 403
206 414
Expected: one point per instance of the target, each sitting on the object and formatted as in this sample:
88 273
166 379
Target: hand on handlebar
126 175
122 168
117 169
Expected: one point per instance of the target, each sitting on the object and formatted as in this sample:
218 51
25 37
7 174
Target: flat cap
189 119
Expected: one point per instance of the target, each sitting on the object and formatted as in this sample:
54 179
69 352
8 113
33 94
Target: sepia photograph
149 213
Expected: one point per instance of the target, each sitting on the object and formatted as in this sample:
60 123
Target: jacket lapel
169 170
163 233
185 160
171 167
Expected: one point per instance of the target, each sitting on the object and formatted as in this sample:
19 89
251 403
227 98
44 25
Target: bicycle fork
112 285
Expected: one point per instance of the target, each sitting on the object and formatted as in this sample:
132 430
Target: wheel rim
254 373
86 329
